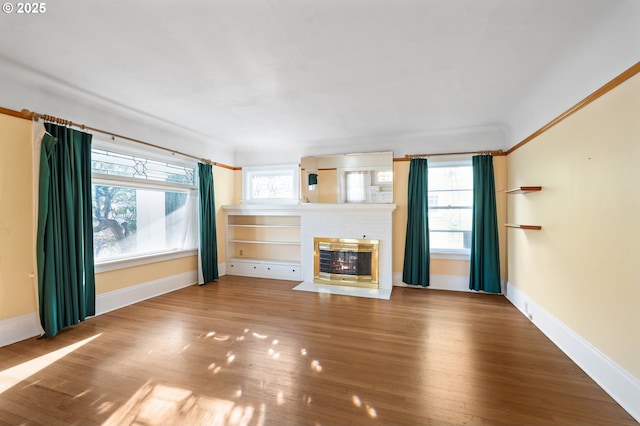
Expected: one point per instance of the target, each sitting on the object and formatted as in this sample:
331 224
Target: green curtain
208 238
485 257
416 250
66 281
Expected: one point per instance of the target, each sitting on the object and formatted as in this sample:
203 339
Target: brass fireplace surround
346 246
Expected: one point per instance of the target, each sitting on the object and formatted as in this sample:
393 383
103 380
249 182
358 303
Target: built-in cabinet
263 242
264 269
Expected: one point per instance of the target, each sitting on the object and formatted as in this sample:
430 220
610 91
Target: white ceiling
293 72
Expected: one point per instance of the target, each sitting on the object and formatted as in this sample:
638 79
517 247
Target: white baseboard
623 387
117 299
26 326
19 328
440 282
437 282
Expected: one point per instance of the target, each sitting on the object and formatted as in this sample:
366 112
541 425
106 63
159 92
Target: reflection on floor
160 404
373 293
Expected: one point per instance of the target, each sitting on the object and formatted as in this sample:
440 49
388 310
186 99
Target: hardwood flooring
254 352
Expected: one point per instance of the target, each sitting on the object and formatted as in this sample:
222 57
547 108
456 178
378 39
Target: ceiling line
607 87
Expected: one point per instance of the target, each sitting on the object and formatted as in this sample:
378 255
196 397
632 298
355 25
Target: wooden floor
254 352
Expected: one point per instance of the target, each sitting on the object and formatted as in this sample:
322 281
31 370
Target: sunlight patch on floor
14 375
357 402
315 366
161 404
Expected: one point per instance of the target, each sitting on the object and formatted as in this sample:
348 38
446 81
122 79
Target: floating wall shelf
524 189
533 227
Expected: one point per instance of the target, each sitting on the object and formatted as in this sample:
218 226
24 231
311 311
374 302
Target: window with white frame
450 207
356 183
271 184
365 185
143 204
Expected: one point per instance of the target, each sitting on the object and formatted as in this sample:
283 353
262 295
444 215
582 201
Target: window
271 184
365 185
383 177
356 184
141 206
450 207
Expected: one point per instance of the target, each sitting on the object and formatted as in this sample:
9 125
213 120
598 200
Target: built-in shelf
265 242
524 189
533 227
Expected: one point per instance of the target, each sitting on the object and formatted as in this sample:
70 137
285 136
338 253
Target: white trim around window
290 172
450 255
115 264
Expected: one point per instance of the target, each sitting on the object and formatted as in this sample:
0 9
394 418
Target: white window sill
449 255
112 265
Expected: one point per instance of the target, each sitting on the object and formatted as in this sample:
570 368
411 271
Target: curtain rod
496 152
63 122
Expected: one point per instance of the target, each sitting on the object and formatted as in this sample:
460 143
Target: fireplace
344 261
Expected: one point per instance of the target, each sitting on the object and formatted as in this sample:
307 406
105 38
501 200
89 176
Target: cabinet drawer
284 272
243 268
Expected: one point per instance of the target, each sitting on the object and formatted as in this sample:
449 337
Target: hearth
343 261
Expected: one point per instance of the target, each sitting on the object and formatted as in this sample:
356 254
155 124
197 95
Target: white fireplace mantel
360 221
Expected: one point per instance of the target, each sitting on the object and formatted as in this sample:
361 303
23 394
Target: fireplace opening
346 262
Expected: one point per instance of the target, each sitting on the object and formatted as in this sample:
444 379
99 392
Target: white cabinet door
242 268
285 272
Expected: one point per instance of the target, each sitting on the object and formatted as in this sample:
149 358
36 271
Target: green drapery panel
485 255
416 251
208 237
66 281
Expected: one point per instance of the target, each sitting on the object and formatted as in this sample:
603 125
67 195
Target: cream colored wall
123 278
399 216
17 288
501 182
237 187
582 266
224 181
444 266
328 186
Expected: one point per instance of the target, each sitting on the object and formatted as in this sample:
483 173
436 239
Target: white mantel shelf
308 207
378 208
